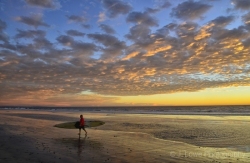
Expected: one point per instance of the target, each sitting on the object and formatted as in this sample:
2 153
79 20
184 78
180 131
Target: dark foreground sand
29 136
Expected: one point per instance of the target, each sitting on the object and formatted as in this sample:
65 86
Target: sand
29 136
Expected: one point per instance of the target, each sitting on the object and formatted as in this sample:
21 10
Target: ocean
145 109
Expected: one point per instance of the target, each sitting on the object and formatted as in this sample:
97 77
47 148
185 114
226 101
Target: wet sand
29 136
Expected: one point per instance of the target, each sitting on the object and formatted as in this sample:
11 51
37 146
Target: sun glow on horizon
207 97
212 96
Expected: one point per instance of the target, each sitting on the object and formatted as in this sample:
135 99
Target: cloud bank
152 56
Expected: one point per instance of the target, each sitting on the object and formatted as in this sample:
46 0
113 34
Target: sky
124 52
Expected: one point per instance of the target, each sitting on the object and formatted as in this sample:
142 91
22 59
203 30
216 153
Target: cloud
44 3
140 34
152 10
112 46
65 40
102 17
4 37
237 33
30 33
241 4
57 98
34 20
86 26
165 4
162 5
162 32
246 19
3 25
7 45
223 21
77 100
116 7
190 10
246 43
82 49
106 28
74 33
166 70
141 18
42 43
76 18
105 39
110 54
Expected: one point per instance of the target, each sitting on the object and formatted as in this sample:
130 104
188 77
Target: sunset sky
124 52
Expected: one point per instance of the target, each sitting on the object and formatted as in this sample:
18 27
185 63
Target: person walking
82 125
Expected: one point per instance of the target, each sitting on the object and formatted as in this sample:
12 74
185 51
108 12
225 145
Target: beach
29 136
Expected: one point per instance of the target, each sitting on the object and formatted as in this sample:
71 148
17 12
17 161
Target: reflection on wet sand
81 144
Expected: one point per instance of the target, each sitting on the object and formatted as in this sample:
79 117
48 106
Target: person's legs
79 130
84 130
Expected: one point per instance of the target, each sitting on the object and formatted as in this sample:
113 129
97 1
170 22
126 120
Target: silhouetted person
81 126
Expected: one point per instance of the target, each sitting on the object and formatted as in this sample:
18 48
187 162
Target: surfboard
75 124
